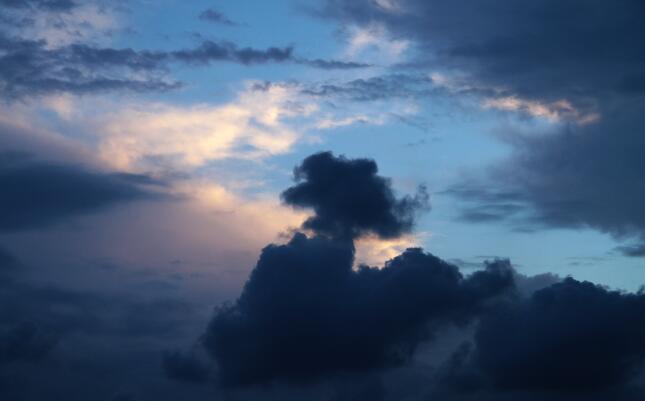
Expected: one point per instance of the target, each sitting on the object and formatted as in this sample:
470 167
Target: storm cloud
306 314
571 340
350 199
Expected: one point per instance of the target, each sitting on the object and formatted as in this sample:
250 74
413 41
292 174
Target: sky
322 199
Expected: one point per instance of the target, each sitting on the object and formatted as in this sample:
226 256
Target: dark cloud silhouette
350 199
306 314
214 16
571 339
36 194
186 367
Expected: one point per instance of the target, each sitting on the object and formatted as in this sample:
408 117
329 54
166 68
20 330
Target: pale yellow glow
253 126
373 251
553 111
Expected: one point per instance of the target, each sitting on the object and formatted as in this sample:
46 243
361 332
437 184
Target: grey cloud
214 16
580 177
588 53
29 68
592 47
37 194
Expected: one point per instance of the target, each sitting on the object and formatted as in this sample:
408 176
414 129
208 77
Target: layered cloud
576 64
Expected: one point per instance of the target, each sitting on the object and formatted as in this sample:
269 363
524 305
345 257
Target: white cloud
553 111
374 251
374 44
253 126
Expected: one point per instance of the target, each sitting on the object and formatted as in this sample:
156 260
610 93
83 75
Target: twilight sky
192 193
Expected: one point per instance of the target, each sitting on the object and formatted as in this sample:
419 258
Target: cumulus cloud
571 340
305 314
350 199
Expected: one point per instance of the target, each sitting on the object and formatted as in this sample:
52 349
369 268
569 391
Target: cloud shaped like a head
350 199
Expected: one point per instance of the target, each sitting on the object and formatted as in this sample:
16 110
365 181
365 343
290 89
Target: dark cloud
36 194
210 51
186 367
214 16
582 177
306 314
49 5
350 199
333 64
571 340
580 58
25 342
592 47
62 343
29 67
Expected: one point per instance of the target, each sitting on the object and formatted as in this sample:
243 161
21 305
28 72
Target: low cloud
37 194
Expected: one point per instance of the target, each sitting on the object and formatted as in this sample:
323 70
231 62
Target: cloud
184 367
50 5
333 64
25 342
570 340
36 194
58 23
576 177
504 44
305 314
350 199
28 68
253 126
210 51
378 88
583 170
214 16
